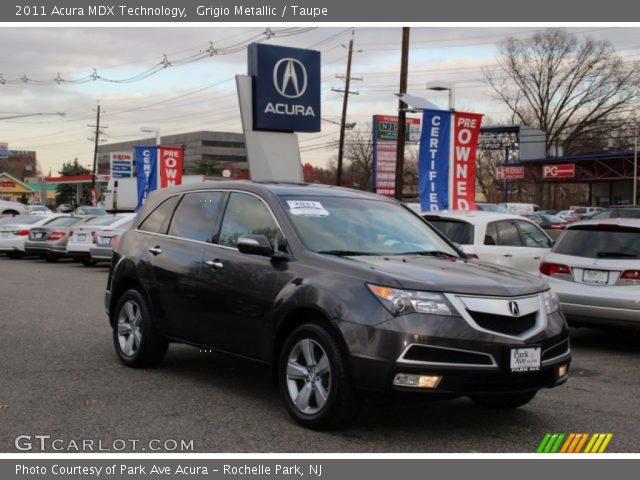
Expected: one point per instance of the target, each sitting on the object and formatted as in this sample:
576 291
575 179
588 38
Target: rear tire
507 401
314 380
134 336
51 258
15 255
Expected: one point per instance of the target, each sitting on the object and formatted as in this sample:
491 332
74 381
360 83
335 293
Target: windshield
104 220
492 207
553 219
21 220
62 221
592 242
355 226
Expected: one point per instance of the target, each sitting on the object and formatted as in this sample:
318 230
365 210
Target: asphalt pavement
59 377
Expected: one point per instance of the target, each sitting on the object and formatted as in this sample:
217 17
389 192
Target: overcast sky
202 96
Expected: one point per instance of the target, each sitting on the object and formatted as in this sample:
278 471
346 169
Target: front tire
314 381
88 262
134 336
507 401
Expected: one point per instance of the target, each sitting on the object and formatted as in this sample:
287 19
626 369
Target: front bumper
470 362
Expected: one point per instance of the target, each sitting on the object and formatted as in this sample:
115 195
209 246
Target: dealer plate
596 277
524 359
82 237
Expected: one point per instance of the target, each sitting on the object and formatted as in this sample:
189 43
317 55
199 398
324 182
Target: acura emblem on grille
514 309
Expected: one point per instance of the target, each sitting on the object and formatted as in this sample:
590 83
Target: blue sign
146 168
433 161
286 88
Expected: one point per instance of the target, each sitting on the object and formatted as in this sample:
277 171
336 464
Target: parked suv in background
339 291
595 269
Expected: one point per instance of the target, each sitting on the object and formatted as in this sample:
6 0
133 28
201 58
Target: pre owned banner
146 170
433 161
447 160
170 166
466 129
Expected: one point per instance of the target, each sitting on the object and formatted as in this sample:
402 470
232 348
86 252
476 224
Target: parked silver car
594 267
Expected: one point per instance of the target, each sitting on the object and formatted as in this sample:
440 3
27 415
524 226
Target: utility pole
402 113
95 186
345 102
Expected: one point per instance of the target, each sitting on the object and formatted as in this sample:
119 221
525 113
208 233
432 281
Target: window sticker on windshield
305 208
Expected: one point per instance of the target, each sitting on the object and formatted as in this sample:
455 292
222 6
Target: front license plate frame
525 359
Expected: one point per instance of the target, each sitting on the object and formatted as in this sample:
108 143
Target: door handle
155 250
507 255
215 264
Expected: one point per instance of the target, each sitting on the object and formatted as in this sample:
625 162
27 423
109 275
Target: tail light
630 277
551 269
55 235
93 234
115 242
22 233
70 233
473 255
558 226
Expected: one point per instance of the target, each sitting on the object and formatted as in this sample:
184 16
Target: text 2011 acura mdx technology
340 291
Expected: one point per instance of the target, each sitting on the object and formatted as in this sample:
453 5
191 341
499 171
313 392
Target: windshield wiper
345 253
429 253
616 255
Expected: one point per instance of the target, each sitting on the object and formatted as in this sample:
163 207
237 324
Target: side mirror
255 245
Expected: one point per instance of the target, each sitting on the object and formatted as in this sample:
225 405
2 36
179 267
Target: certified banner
146 168
433 161
466 129
170 167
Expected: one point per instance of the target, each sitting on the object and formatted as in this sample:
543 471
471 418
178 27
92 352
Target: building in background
18 163
205 153
15 190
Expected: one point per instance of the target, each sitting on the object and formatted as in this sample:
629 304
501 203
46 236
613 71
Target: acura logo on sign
290 78
514 309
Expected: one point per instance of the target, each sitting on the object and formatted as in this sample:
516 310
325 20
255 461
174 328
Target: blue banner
147 172
433 161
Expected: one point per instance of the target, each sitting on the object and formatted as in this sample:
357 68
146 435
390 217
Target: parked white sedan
500 238
14 232
81 238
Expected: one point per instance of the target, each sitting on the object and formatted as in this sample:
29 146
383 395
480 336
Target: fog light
562 370
417 381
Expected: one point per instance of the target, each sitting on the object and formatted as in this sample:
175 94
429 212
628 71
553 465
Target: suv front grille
504 324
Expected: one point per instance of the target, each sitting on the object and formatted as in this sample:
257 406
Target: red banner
565 170
466 130
170 167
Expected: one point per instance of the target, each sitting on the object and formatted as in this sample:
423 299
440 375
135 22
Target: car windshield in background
598 243
104 220
354 226
62 222
552 218
491 207
459 232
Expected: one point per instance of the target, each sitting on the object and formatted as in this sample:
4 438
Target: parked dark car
339 291
617 212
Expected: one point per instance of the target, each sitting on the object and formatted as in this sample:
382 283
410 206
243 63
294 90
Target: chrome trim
539 326
403 361
557 357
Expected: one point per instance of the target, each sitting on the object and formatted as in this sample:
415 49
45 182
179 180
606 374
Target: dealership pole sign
286 88
385 146
157 167
510 172
565 170
447 160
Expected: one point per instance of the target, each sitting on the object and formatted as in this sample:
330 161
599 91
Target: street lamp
152 130
439 86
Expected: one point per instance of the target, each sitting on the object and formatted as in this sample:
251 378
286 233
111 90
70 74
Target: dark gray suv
340 292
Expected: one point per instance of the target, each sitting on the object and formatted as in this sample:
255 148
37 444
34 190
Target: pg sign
566 170
286 88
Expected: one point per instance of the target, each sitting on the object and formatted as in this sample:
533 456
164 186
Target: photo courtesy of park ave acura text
314 239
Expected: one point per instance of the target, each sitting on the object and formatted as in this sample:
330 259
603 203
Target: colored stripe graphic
574 442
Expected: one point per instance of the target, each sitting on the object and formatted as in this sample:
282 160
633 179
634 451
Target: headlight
399 302
551 302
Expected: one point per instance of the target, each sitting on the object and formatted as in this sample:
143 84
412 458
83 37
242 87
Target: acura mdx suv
341 292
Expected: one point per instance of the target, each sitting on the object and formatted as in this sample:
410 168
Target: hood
415 272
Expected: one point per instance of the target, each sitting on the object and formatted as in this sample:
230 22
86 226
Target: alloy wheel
130 328
308 376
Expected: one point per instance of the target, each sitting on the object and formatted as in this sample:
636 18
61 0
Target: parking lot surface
59 376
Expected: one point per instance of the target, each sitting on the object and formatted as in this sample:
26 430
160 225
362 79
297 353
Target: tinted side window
491 235
459 232
532 236
622 244
508 234
158 220
246 215
196 216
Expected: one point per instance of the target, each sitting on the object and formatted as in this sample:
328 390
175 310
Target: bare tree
564 85
358 155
